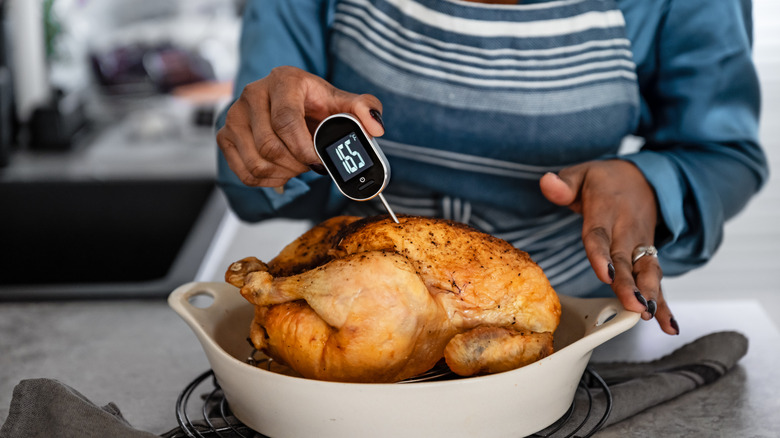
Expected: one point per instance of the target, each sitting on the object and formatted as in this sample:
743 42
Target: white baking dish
511 404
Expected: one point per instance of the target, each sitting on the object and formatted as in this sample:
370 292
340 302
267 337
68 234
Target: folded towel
46 408
638 386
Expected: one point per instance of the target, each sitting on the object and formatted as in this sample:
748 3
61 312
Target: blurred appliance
49 119
162 67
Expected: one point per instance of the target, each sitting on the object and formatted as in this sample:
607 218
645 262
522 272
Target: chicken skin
369 300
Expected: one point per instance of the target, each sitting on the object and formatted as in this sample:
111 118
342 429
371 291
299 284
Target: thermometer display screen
354 161
349 156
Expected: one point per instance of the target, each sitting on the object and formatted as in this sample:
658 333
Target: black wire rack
578 421
582 420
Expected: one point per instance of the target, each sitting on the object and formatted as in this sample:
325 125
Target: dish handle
200 304
604 318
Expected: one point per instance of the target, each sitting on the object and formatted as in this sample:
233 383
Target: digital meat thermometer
353 159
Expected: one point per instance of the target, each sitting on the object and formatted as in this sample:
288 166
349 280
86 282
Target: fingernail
651 308
611 271
640 298
319 168
676 327
377 116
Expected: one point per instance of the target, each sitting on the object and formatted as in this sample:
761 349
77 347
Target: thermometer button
369 183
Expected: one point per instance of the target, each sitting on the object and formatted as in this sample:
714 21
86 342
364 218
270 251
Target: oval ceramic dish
510 404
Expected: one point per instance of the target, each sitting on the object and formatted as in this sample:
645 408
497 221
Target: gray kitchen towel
638 386
48 408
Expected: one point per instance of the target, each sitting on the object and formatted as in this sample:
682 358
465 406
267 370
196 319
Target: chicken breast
369 300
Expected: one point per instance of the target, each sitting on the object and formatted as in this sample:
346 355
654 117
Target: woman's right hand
267 137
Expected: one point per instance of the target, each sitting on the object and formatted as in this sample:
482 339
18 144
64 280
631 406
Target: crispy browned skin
311 249
375 301
488 350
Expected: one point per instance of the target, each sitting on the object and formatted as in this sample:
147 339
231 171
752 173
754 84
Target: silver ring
642 251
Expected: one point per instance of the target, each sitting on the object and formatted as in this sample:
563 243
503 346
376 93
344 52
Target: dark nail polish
319 168
640 298
676 327
611 271
377 116
652 307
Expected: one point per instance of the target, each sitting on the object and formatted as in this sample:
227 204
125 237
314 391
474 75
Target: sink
116 238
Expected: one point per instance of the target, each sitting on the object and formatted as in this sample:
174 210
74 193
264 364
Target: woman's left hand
619 213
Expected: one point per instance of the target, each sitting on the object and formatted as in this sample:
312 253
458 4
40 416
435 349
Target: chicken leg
488 350
355 325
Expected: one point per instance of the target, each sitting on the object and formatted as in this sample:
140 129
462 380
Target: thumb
560 191
370 117
366 107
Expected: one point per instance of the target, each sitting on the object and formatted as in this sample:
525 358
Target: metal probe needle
387 206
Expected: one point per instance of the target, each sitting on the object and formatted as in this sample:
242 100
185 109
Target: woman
510 117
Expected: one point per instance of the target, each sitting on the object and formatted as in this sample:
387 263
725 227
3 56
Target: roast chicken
370 300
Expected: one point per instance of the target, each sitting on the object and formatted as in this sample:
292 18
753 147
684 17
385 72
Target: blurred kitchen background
107 152
108 155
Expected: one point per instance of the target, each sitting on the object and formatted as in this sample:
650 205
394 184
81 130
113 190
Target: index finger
288 121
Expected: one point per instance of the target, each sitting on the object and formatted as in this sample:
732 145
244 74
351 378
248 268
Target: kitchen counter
139 354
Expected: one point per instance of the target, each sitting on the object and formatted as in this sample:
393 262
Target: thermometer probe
353 159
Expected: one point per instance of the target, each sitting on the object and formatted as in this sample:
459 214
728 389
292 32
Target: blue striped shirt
481 100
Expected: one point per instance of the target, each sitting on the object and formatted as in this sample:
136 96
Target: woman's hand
267 137
619 213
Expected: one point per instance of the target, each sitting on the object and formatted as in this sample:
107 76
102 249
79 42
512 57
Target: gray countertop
140 355
155 139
